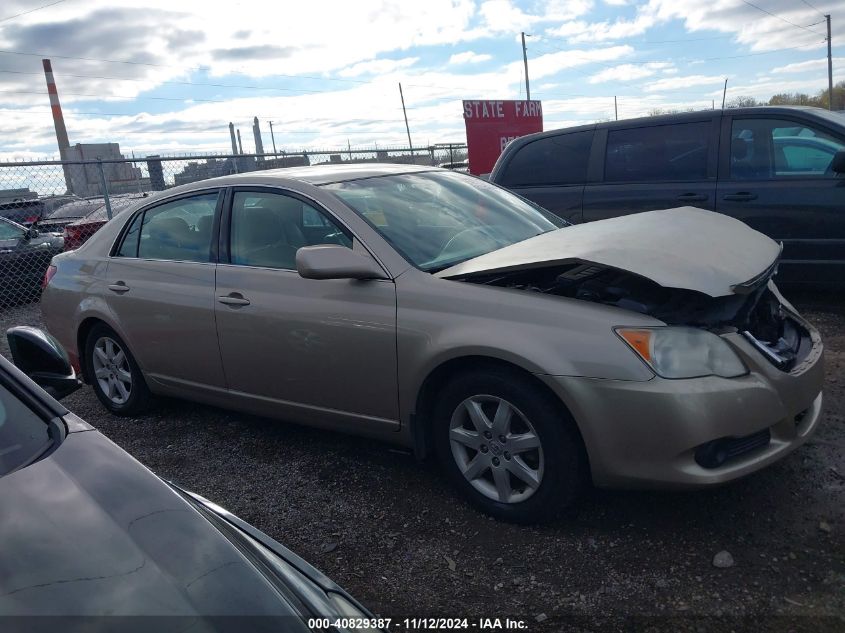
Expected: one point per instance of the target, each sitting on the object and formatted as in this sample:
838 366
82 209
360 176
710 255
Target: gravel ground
392 532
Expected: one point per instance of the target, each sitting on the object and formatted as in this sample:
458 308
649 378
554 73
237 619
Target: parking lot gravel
764 553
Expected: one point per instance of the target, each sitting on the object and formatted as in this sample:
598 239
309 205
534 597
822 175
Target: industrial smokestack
232 134
58 120
256 132
240 143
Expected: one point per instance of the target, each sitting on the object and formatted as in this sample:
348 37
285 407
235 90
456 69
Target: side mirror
331 261
30 233
43 359
837 164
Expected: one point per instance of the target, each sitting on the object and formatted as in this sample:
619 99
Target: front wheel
114 374
508 446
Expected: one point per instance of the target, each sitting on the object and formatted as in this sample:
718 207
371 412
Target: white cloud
578 32
811 65
630 72
469 57
750 26
551 63
673 83
378 67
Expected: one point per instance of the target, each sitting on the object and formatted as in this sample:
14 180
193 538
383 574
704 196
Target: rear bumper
646 434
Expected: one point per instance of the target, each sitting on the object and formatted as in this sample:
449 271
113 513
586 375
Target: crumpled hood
677 248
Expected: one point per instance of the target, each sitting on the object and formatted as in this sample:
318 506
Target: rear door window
179 231
675 152
554 160
763 149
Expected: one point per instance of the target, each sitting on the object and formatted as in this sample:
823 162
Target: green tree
743 102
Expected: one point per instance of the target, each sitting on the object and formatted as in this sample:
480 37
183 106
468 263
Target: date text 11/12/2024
419 624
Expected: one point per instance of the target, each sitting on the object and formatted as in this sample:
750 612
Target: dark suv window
658 153
775 148
554 160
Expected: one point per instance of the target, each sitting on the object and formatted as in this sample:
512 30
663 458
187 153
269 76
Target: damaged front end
754 309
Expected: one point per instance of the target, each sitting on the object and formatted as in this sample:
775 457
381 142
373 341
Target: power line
17 15
812 7
182 68
179 83
703 59
213 85
720 37
782 19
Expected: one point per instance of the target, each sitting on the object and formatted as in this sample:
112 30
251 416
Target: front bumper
645 434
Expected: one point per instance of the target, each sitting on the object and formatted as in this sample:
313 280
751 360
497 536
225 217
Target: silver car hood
677 248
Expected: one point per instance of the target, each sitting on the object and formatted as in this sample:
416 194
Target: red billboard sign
491 125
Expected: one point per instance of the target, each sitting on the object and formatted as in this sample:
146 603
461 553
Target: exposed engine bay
757 313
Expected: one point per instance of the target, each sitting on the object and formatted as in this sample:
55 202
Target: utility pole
273 138
407 129
525 61
724 93
829 68
615 108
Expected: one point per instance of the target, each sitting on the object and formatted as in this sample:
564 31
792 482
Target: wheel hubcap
111 369
509 468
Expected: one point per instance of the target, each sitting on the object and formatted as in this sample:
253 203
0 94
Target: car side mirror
331 261
837 165
30 233
43 359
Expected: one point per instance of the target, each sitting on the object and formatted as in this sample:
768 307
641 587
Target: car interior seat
169 239
263 239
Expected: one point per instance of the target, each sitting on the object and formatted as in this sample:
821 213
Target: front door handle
742 196
119 287
234 299
692 197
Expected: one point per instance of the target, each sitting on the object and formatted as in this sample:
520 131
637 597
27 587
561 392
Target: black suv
779 169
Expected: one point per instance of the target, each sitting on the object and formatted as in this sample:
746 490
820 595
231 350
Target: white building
85 180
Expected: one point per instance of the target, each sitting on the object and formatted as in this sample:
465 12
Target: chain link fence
52 206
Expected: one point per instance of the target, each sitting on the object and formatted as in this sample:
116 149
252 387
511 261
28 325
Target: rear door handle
692 197
742 196
234 299
119 287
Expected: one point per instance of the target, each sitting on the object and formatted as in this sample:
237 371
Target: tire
557 466
120 386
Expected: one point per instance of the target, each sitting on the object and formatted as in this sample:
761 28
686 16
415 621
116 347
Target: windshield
23 435
437 219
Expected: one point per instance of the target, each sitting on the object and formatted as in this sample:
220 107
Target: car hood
88 531
685 248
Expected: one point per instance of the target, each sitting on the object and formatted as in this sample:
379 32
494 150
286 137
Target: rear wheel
508 446
114 374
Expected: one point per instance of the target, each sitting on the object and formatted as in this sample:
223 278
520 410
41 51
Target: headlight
681 352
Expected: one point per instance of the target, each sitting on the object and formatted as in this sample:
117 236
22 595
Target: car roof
322 174
677 117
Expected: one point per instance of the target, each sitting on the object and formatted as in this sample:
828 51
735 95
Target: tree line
819 100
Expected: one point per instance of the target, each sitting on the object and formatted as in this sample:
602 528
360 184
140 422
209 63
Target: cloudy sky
167 76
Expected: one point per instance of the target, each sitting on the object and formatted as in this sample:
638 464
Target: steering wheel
462 234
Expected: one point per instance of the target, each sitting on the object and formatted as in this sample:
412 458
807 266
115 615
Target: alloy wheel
496 448
112 371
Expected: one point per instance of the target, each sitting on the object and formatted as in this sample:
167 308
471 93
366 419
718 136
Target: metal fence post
105 187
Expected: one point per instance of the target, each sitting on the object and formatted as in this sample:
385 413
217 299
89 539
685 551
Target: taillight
30 220
48 275
71 236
